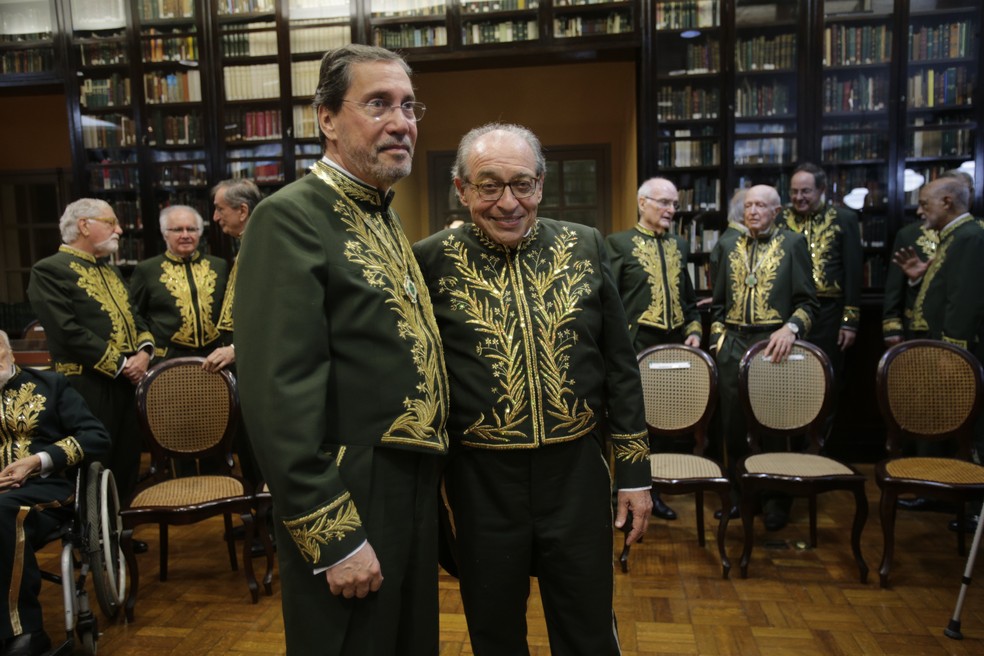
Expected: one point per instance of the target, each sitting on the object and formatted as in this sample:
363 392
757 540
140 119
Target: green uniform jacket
536 342
180 300
834 239
725 243
86 312
337 352
950 305
225 316
41 412
650 272
763 283
899 294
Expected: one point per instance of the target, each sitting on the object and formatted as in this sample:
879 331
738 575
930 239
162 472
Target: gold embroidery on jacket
665 310
751 302
196 328
821 234
919 321
72 449
927 241
631 448
108 290
19 413
330 523
524 336
225 314
387 262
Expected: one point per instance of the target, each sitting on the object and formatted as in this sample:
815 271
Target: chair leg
126 543
231 542
748 494
163 539
860 517
813 521
722 531
887 512
267 549
254 589
699 508
961 529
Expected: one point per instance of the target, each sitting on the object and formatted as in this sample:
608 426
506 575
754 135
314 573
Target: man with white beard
94 335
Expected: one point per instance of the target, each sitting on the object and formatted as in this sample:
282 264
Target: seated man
45 429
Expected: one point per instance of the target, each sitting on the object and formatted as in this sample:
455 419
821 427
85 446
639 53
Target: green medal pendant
751 280
410 288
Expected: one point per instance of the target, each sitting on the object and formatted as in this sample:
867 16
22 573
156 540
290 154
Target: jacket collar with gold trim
650 233
954 224
348 183
181 260
82 255
527 239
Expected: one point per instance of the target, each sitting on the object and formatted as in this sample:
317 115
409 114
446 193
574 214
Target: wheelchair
90 544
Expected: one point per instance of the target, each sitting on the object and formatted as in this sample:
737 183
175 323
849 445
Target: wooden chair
188 413
680 389
927 390
263 502
785 401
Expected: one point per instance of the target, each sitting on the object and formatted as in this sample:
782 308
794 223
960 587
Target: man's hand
693 340
14 474
780 345
845 338
640 502
219 359
136 366
908 260
357 575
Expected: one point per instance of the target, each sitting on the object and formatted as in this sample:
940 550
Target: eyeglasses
111 220
493 189
177 231
377 109
664 202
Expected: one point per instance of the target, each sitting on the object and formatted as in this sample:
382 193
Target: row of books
159 9
28 61
702 240
305 122
268 172
679 15
251 43
847 147
505 32
700 275
115 178
176 129
939 87
183 86
687 103
617 22
703 197
230 7
943 41
169 48
128 212
184 174
940 143
408 36
105 53
849 45
113 91
874 231
109 131
393 8
860 93
763 53
252 126
304 77
130 251
251 82
771 150
22 37
928 173
486 6
762 100
320 38
685 153
873 272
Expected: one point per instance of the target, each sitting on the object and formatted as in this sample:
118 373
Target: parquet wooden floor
796 601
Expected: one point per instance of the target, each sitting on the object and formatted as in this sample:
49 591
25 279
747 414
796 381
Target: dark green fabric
651 274
180 300
899 294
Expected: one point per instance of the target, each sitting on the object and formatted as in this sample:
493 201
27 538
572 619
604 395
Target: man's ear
459 187
326 123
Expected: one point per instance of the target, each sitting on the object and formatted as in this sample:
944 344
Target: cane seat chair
928 391
782 402
679 385
188 414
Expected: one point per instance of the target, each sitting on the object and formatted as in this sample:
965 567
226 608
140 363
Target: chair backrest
789 398
679 384
34 333
929 390
187 412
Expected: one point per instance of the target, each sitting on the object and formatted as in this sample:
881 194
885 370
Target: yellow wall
34 133
563 105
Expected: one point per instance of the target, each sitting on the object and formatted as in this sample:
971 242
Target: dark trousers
545 510
27 515
395 493
113 403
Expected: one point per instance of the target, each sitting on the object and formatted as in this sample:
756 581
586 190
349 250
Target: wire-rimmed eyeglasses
493 189
376 109
664 202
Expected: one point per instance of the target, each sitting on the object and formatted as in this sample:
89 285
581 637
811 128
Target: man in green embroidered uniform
539 357
763 290
234 200
833 236
94 335
342 377
179 293
649 265
45 428
914 240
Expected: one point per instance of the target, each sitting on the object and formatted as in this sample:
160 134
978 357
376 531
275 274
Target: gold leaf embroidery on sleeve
325 525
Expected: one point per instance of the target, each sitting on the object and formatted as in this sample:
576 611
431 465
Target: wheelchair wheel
106 561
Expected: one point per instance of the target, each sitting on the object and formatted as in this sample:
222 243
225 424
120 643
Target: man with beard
342 377
95 336
46 429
